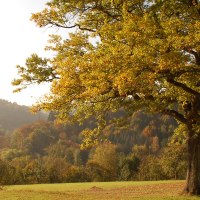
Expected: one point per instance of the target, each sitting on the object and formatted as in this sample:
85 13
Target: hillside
47 152
13 116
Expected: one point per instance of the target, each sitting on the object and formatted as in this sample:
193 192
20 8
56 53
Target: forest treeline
46 152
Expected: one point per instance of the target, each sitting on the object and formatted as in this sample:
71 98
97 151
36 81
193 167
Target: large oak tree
132 54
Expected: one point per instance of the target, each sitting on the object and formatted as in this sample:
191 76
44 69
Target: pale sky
19 38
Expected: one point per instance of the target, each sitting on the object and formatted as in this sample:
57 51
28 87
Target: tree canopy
123 54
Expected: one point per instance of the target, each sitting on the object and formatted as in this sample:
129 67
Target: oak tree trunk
192 186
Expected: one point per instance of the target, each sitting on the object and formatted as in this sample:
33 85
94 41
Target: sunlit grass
97 191
63 187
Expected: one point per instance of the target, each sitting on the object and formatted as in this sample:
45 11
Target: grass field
97 191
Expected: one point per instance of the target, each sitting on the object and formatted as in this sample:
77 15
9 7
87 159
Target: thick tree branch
175 114
183 71
182 86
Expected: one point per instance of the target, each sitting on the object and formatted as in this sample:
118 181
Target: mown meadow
97 190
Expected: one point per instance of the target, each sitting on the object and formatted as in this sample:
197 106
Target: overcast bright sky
19 37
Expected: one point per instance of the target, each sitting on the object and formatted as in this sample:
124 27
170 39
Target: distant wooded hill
13 116
135 149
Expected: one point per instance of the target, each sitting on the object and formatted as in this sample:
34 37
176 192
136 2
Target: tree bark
192 186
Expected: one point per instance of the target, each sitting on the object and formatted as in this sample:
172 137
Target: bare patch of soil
2 187
94 188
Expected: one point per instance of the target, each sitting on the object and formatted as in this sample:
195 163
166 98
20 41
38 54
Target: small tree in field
173 161
132 54
104 163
